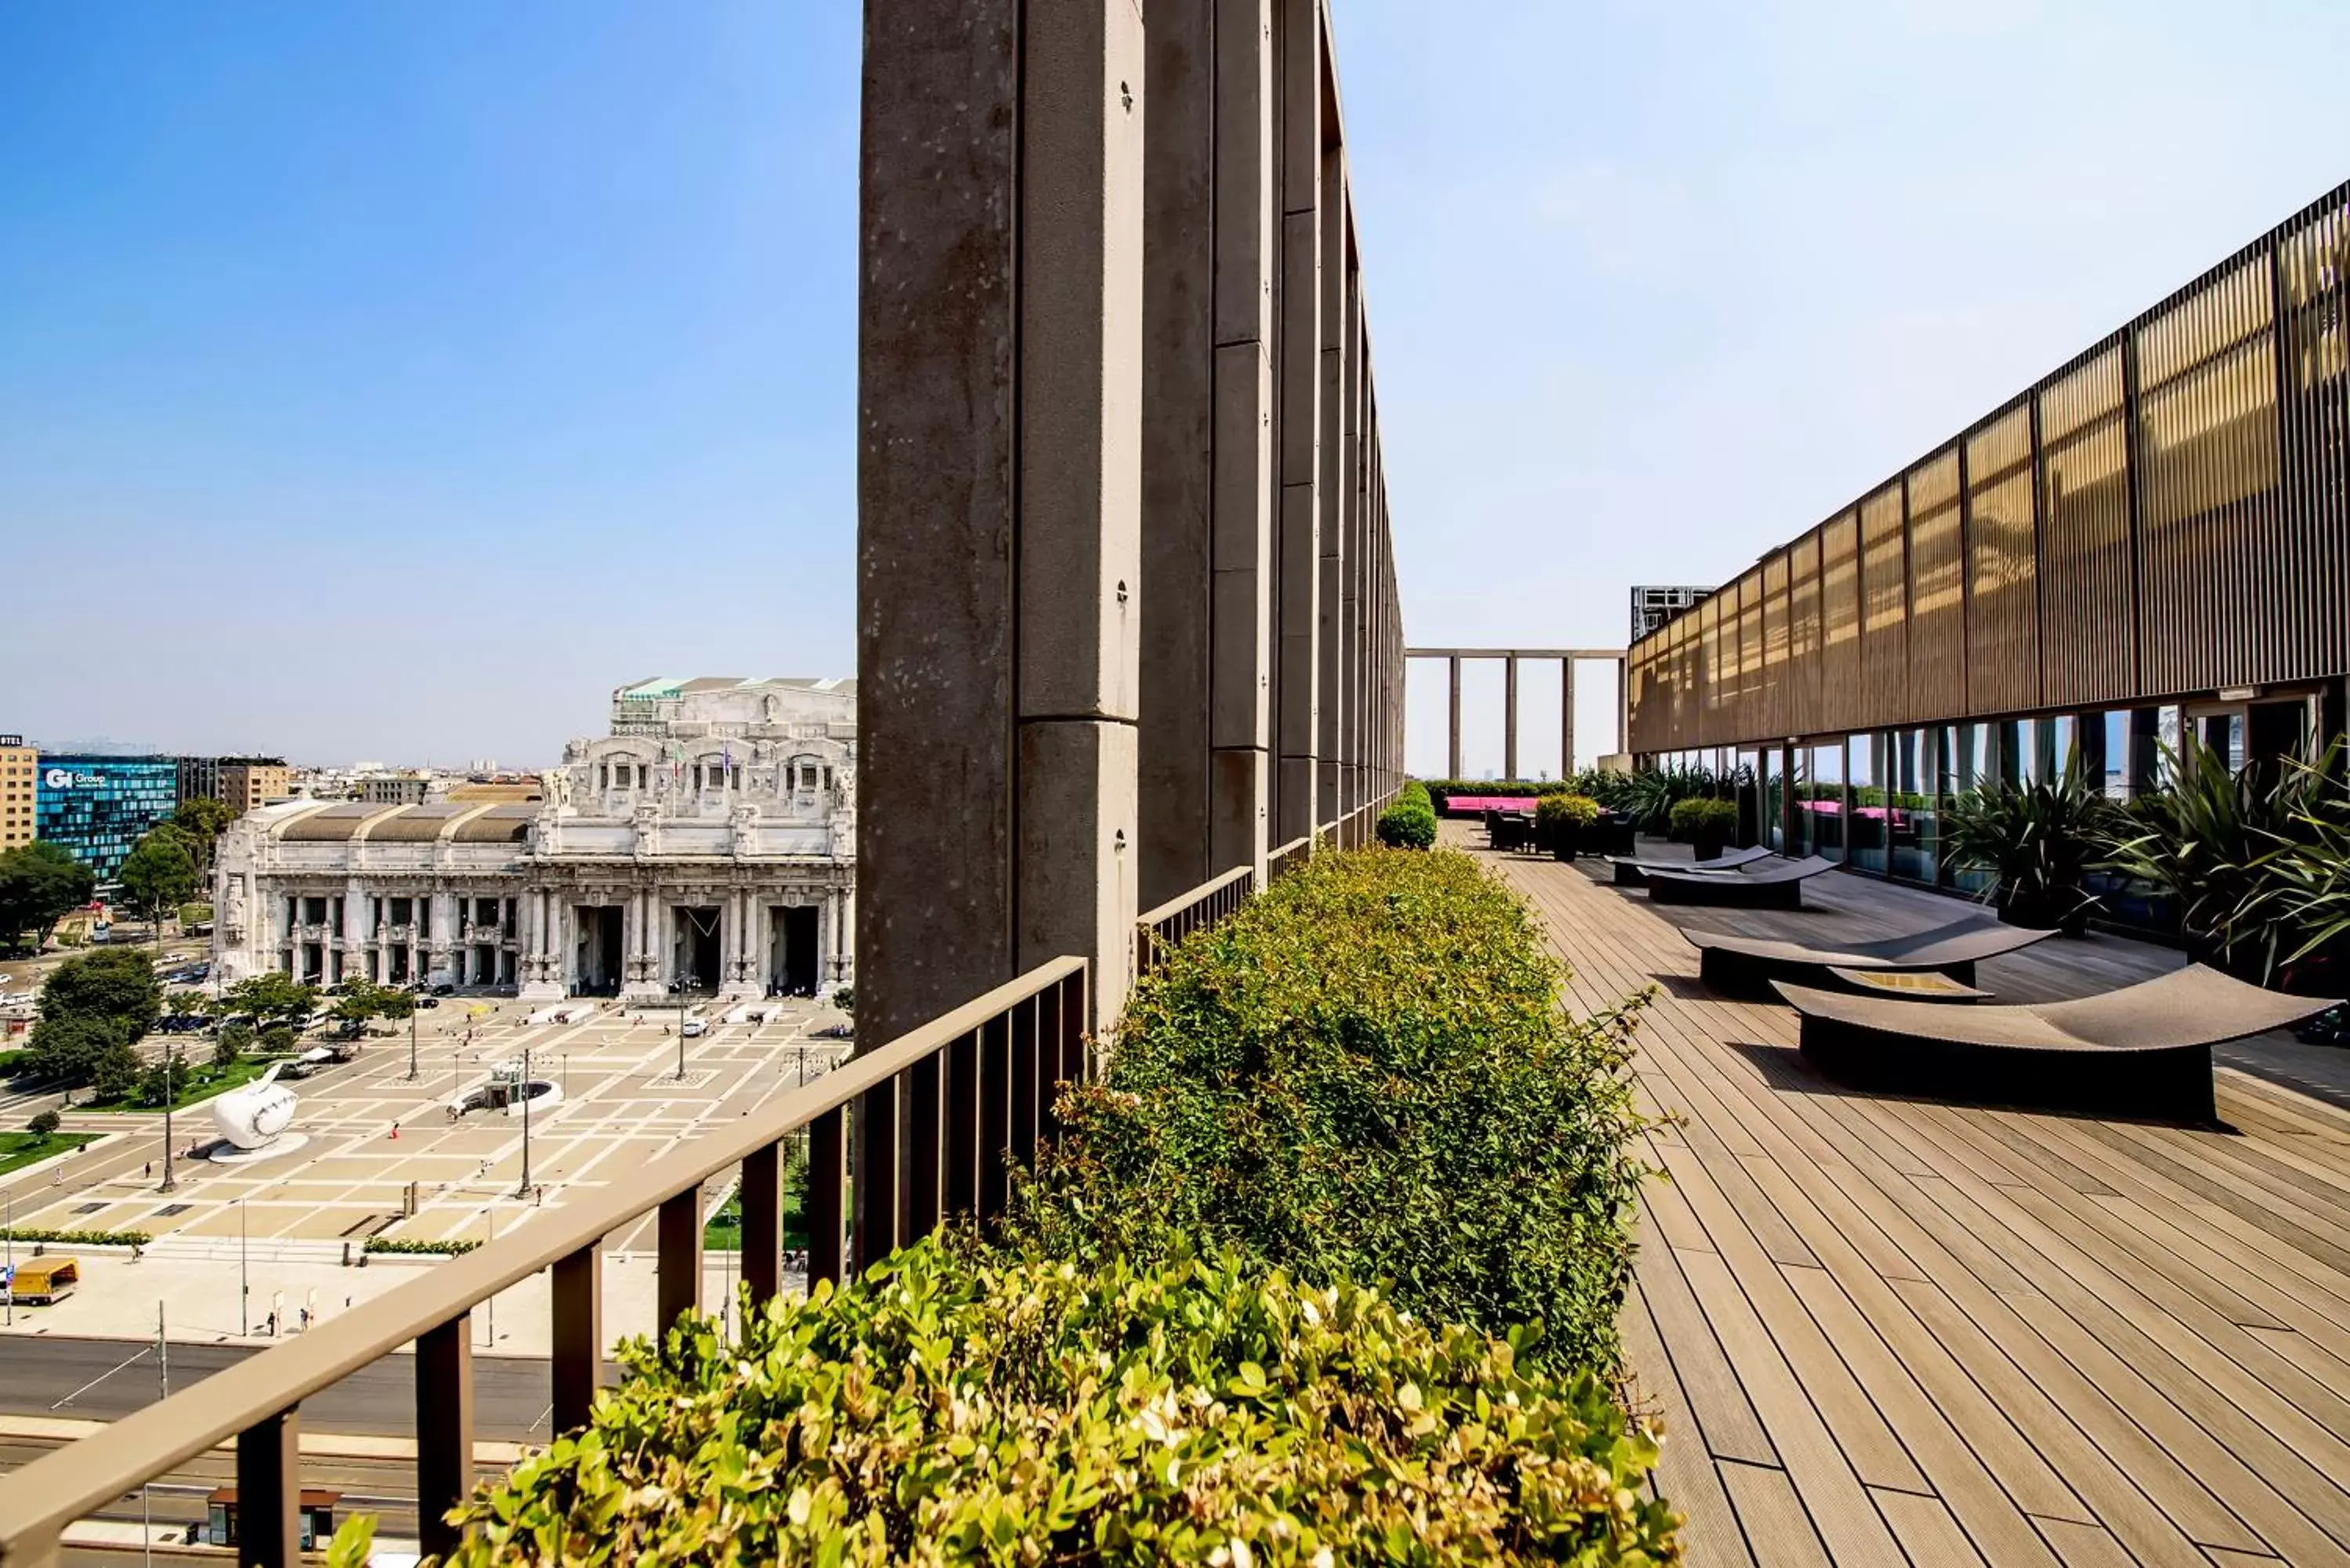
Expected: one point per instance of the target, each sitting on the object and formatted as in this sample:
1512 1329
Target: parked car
695 1027
444 989
426 998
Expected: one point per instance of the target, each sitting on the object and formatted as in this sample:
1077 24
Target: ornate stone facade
708 844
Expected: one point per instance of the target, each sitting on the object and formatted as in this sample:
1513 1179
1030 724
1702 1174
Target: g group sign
67 778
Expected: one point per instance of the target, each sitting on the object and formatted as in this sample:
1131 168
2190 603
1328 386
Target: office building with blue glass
97 807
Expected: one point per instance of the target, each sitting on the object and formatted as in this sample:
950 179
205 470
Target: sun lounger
1760 883
1631 872
1735 963
2144 1049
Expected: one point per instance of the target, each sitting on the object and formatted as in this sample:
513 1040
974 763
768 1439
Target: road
107 1379
383 1487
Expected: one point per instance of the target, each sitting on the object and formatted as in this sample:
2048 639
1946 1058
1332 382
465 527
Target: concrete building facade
245 783
19 790
707 845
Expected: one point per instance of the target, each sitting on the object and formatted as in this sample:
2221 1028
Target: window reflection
1824 804
1867 816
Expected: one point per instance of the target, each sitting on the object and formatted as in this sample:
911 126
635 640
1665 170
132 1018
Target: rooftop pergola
1511 658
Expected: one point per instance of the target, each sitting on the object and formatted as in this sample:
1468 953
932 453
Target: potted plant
2038 844
1706 824
1565 819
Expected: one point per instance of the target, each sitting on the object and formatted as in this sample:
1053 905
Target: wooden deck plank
1685 1474
1773 1517
2069 1339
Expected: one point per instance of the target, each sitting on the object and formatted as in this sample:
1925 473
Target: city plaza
365 1131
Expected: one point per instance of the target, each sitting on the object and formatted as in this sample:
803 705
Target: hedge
1569 811
961 1406
1326 1271
75 1238
1702 815
1441 790
1366 1074
448 1246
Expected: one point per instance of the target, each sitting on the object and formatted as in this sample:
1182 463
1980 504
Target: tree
361 1000
118 1070
397 1005
277 1040
39 882
113 982
45 1125
69 1048
235 1040
164 1081
159 872
204 820
274 997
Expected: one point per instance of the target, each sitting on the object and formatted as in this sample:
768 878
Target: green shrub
75 1238
1702 816
2038 844
410 1246
44 1123
277 1040
956 1405
1364 1073
1572 812
1406 825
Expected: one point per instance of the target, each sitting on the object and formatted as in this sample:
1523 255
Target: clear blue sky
391 381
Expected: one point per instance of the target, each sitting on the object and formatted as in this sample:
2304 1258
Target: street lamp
170 1093
523 1190
412 1039
244 1282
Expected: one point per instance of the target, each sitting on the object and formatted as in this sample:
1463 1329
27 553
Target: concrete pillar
1330 609
1623 704
998 528
1510 718
1298 313
1566 718
1453 718
1175 743
1352 475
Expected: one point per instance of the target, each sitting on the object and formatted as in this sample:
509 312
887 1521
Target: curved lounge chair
1632 872
2144 1049
1760 883
1728 962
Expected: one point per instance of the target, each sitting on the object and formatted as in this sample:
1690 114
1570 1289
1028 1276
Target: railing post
577 1287
678 1289
444 1429
827 1186
1044 1067
269 1493
763 1223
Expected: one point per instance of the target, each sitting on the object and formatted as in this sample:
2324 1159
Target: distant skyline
393 381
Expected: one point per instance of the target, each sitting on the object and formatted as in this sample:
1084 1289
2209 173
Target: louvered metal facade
2161 518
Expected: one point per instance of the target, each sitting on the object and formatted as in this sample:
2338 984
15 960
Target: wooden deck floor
1883 1331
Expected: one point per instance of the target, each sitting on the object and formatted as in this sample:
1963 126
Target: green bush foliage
959 1407
1364 1073
446 1246
2038 844
75 1238
1574 812
1703 816
1408 825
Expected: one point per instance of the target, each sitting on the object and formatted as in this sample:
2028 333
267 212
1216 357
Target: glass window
1823 798
1768 780
1865 817
1910 816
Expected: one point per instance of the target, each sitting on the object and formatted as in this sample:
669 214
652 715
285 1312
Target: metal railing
979 1085
1288 857
1171 921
